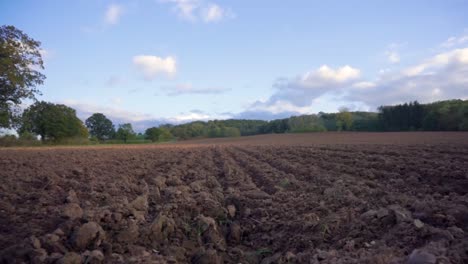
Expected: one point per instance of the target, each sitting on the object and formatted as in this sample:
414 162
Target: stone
89 234
51 238
77 171
418 223
382 212
161 228
71 197
129 234
140 203
215 238
39 255
196 186
456 231
401 214
95 257
160 182
35 242
231 210
59 232
72 211
235 232
206 222
369 214
271 259
137 251
419 256
207 257
311 219
290 257
70 258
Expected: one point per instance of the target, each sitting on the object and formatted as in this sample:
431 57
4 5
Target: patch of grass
263 251
285 183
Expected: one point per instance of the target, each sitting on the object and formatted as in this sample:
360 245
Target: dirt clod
70 258
89 235
72 211
231 210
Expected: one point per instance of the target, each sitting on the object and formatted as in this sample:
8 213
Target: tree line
58 123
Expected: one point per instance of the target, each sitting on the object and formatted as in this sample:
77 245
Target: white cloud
187 88
190 117
457 56
393 57
194 10
304 88
392 53
113 14
85 110
325 73
455 41
115 80
214 13
153 66
278 106
184 8
116 101
364 85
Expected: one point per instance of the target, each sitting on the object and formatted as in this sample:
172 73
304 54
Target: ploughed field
309 198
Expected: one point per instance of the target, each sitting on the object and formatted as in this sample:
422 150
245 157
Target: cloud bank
440 77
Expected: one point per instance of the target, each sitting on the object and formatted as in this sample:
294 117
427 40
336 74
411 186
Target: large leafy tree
100 126
125 132
52 121
165 134
344 119
20 62
153 133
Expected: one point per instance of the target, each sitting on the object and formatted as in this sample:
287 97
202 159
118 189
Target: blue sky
152 61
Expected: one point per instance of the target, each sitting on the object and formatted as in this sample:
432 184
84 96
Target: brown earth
306 198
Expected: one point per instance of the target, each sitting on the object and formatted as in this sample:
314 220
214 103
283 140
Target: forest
450 115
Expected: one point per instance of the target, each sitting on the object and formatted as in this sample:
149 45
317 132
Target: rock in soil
89 235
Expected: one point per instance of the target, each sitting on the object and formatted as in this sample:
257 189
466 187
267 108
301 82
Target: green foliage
152 134
52 122
26 135
125 132
100 126
306 123
365 121
276 126
403 117
165 135
230 132
450 115
25 139
8 141
20 60
344 120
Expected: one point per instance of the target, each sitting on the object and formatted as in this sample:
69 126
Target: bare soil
305 198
